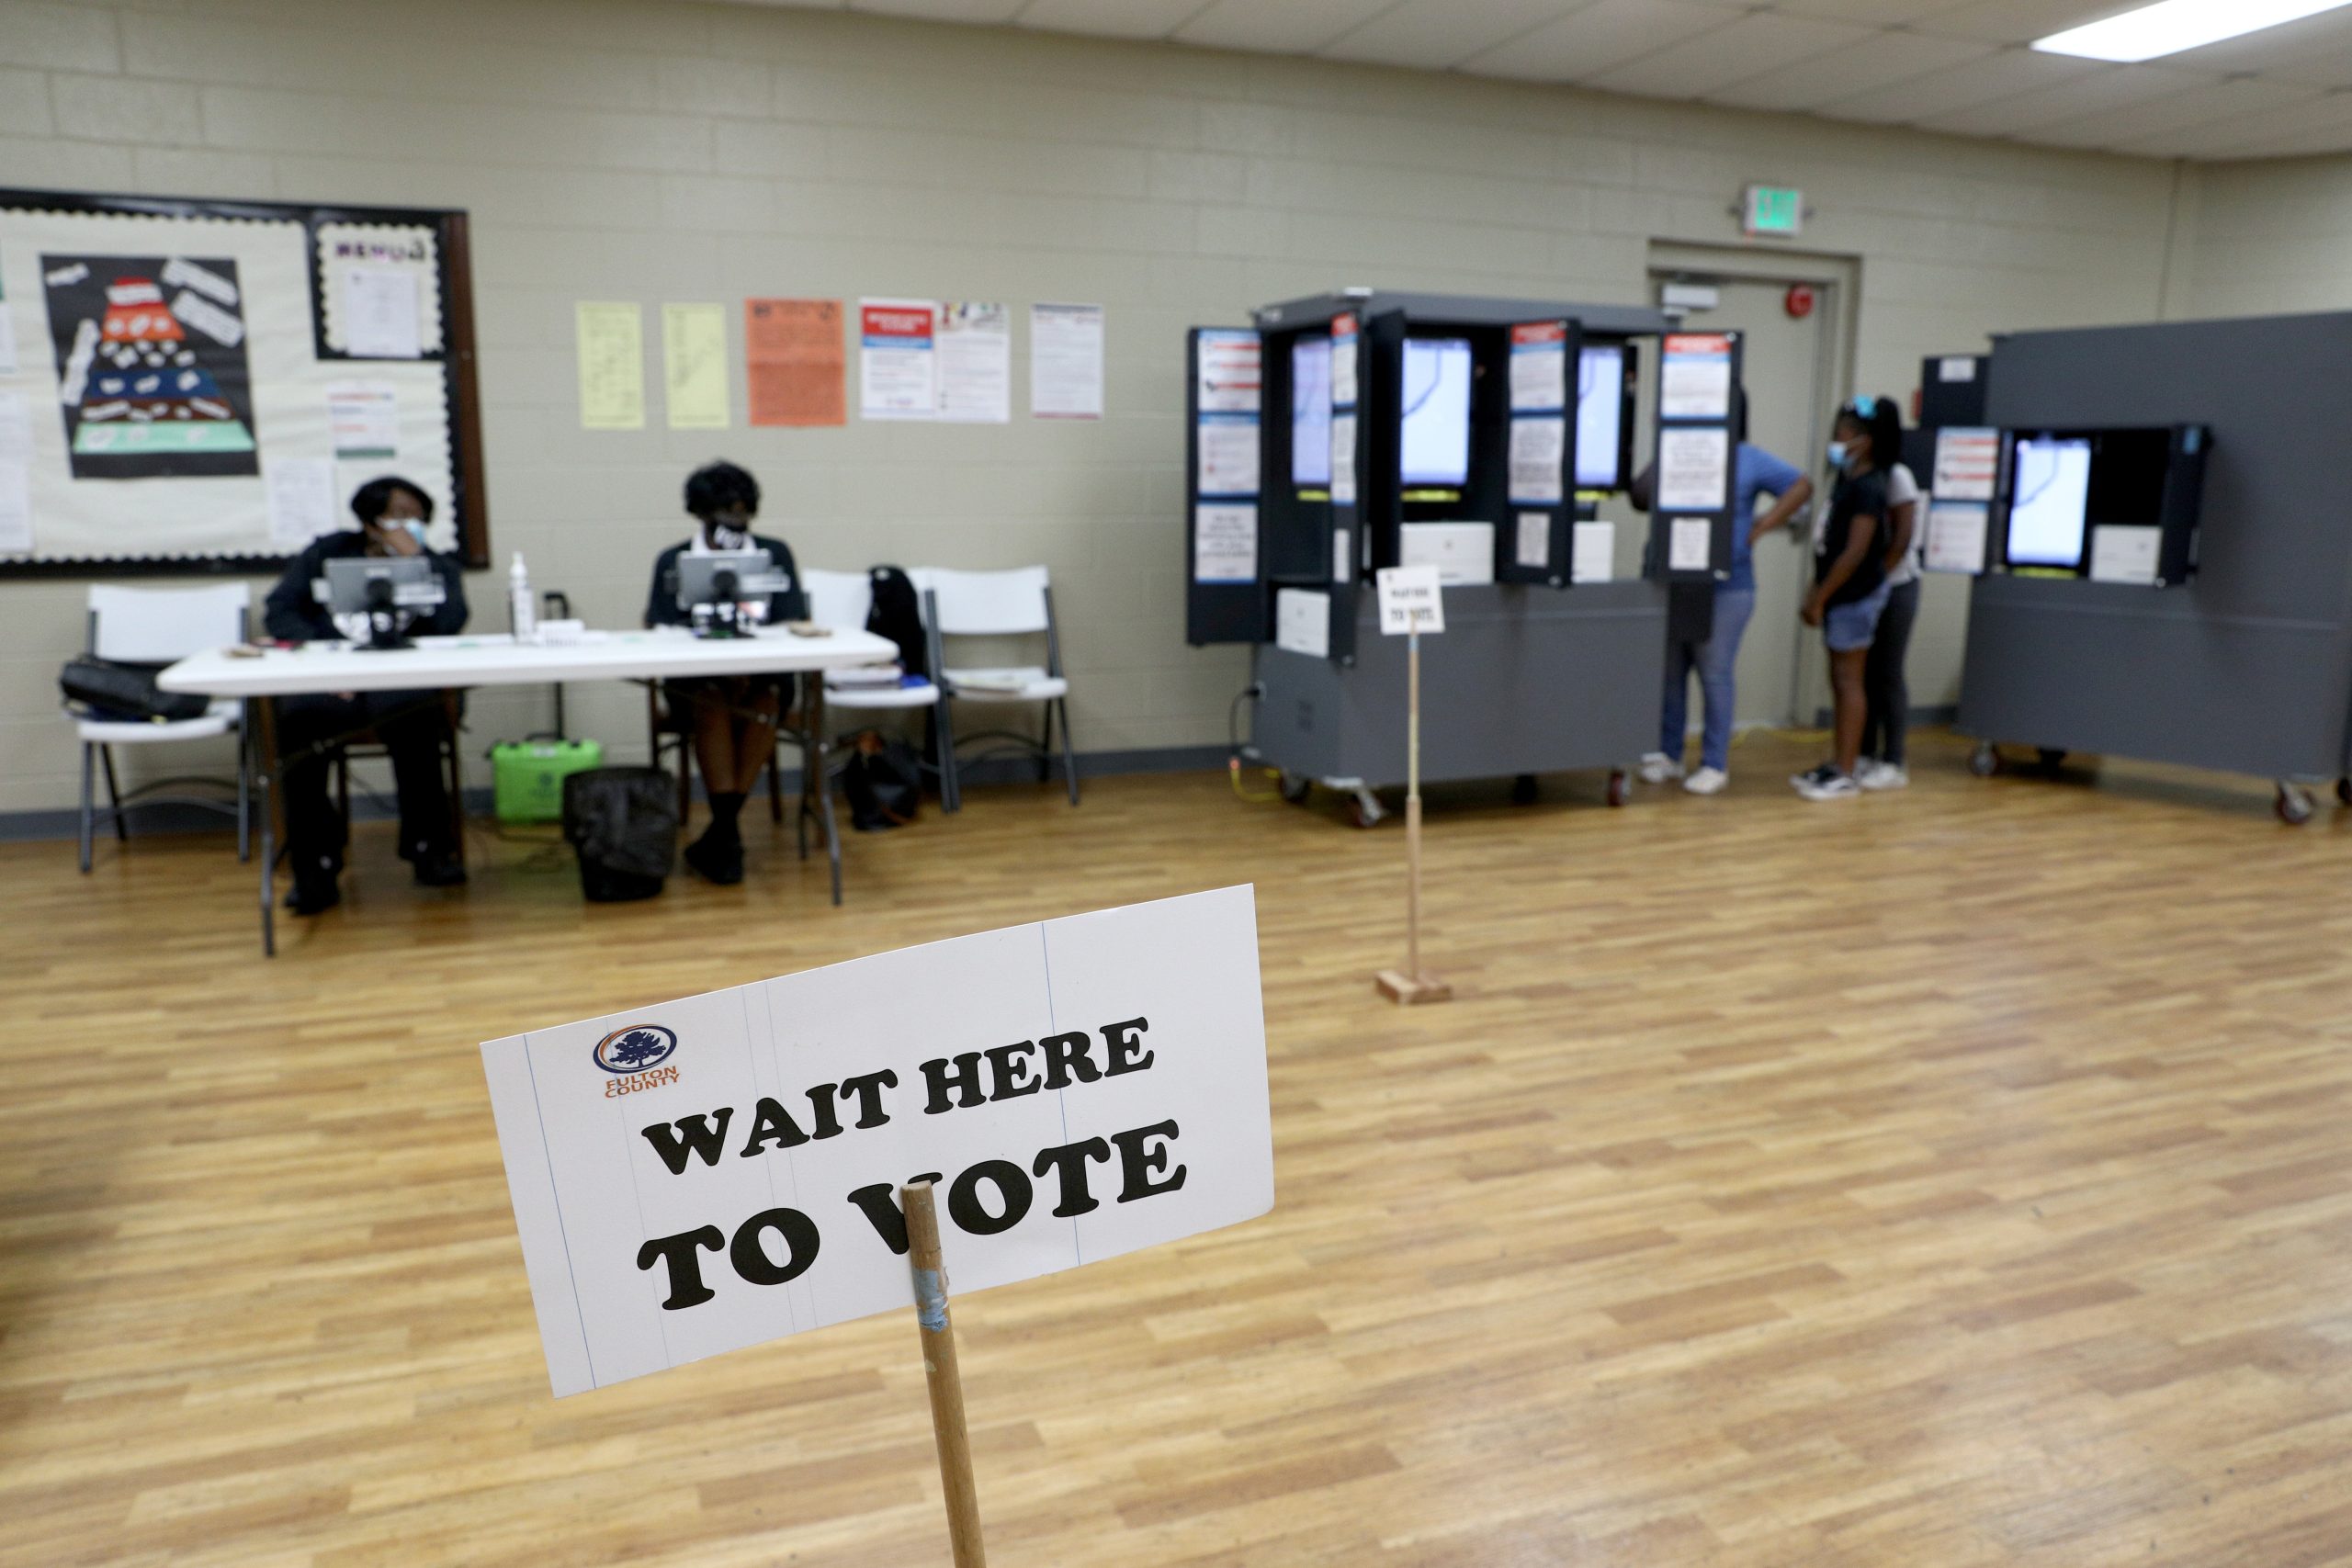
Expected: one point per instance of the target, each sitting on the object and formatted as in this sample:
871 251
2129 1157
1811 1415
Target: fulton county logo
636 1048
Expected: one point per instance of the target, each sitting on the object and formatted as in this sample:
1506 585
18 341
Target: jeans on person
1713 660
311 730
1889 694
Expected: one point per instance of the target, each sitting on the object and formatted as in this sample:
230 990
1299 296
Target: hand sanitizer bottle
521 606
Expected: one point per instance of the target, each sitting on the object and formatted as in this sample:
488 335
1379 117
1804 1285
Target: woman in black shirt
730 718
1849 579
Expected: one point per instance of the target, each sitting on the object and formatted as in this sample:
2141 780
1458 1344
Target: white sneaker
1657 767
1827 783
1706 781
1882 775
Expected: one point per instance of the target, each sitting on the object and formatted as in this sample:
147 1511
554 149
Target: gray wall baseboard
167 816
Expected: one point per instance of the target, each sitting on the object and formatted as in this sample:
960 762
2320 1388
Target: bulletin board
192 386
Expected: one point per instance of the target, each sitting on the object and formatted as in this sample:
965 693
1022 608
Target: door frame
1839 277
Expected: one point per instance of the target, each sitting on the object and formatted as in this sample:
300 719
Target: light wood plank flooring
1960 1177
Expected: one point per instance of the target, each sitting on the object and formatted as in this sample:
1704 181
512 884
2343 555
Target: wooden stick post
1411 984
946 1382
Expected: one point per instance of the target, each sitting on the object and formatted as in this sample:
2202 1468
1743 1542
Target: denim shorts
1848 626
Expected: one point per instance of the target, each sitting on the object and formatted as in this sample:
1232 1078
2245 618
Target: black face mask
726 535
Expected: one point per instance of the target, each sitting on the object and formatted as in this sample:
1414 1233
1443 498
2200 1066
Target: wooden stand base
1407 989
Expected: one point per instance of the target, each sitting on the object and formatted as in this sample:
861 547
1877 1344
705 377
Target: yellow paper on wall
693 366
612 366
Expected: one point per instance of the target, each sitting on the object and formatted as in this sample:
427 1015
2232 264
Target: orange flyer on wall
793 359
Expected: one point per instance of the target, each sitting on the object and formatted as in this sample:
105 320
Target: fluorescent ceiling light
2171 26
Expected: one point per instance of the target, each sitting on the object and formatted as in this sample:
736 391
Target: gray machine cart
1532 674
2247 666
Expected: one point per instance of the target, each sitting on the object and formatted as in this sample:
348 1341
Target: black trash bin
624 824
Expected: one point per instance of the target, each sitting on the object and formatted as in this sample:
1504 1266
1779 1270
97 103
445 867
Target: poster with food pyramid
151 363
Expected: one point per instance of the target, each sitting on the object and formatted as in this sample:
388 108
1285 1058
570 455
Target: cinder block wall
655 151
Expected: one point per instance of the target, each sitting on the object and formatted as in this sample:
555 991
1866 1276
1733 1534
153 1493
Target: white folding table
255 678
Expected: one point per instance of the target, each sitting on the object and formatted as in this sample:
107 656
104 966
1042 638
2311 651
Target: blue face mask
1838 454
415 530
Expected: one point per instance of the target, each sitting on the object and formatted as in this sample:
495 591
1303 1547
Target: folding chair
1016 602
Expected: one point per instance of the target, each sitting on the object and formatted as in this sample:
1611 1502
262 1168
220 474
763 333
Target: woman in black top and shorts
1849 579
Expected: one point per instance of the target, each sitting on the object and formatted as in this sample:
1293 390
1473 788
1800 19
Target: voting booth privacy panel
1347 432
197 386
2166 576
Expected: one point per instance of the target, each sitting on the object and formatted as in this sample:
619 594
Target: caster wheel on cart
1617 786
1365 810
2052 758
2344 791
1984 761
1295 788
1523 790
2293 805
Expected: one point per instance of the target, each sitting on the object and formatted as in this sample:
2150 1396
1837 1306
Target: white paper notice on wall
1534 541
1592 556
1538 445
1224 542
703 1175
1693 469
380 317
974 362
364 419
1303 621
897 359
1690 544
1968 460
1695 379
301 500
1955 536
1410 599
2125 554
1343 459
1065 361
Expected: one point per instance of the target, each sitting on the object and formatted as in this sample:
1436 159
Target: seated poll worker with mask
412 725
732 719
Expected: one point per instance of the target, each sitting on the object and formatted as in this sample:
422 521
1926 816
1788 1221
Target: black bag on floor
883 780
101 688
623 823
898 615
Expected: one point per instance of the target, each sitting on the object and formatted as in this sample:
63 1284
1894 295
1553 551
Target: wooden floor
1956 1178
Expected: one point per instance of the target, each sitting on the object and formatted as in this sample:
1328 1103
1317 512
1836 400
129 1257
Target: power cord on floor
1233 769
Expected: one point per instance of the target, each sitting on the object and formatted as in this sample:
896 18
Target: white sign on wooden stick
1410 599
710 1173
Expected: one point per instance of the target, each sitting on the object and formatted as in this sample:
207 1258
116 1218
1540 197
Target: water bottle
518 598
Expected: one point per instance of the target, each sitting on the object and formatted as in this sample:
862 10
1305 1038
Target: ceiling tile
1870 13
1881 60
984 11
2177 112
1590 40
1727 53
1277 26
1127 19
2287 51
1443 32
2017 21
2315 125
2103 88
1999 75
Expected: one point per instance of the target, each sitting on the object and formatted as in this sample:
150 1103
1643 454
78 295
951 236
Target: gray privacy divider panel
1523 679
2248 666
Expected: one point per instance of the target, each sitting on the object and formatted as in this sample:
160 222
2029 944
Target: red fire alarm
1800 300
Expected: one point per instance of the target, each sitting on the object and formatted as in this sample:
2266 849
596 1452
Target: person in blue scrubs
1755 472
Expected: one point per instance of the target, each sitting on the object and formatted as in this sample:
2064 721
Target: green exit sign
1774 210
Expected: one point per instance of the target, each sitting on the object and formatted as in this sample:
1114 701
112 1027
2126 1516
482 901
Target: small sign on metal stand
1410 605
